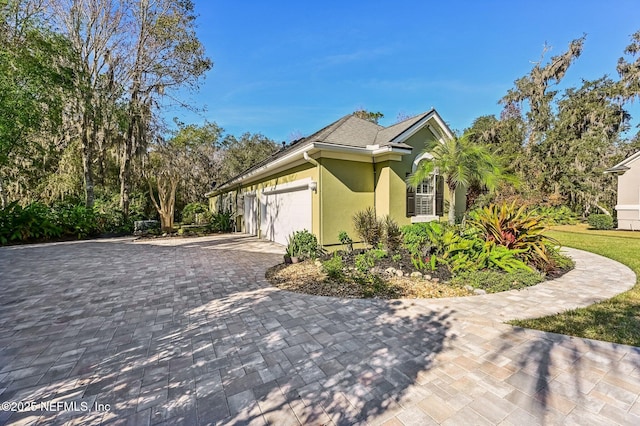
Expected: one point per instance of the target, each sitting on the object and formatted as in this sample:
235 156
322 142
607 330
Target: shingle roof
347 131
387 134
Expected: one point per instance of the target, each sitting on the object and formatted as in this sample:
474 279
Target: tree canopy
560 142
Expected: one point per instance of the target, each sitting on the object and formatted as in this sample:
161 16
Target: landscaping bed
383 280
500 248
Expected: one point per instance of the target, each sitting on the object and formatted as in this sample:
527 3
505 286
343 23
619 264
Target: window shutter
411 202
440 196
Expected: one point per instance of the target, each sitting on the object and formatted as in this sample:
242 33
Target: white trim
433 115
296 185
298 154
424 218
628 207
419 158
435 133
625 162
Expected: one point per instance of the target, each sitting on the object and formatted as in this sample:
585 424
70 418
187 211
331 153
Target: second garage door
285 210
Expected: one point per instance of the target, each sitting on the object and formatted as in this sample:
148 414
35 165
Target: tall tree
629 69
371 116
165 55
34 83
202 144
96 29
242 153
186 162
533 89
580 143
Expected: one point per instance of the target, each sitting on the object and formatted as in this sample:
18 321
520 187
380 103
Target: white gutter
309 159
283 160
304 150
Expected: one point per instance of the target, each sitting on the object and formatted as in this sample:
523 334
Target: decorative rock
468 288
416 275
479 291
390 271
435 280
427 277
399 273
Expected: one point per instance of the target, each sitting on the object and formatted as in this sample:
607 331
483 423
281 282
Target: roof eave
617 170
296 155
626 161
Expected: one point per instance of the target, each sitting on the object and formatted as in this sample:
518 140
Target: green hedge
38 222
600 221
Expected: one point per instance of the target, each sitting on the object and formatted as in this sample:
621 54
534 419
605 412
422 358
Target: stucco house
628 205
319 182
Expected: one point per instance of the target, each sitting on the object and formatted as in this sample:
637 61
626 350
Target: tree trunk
166 201
125 172
452 205
87 162
3 196
127 149
602 209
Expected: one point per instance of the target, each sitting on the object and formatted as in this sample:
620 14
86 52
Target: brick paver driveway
188 332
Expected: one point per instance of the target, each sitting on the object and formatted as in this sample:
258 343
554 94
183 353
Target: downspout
315 163
375 211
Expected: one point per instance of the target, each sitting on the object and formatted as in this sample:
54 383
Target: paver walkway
187 331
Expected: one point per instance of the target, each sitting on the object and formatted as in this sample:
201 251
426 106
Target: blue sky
285 68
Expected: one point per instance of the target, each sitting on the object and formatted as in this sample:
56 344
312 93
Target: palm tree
462 163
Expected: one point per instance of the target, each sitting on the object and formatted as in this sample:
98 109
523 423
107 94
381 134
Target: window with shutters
426 197
426 202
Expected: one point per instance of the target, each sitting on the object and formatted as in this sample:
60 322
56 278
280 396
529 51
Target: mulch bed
307 277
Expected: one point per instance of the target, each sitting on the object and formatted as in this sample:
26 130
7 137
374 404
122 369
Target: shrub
77 220
495 281
424 240
334 266
111 218
222 221
346 241
514 229
368 227
391 234
560 261
35 221
558 215
600 221
305 243
367 260
193 211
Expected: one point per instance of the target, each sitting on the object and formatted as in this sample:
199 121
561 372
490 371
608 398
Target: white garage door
250 214
285 210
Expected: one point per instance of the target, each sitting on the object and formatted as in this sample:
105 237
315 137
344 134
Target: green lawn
614 320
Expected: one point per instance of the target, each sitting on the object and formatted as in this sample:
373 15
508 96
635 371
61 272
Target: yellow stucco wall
346 188
383 181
